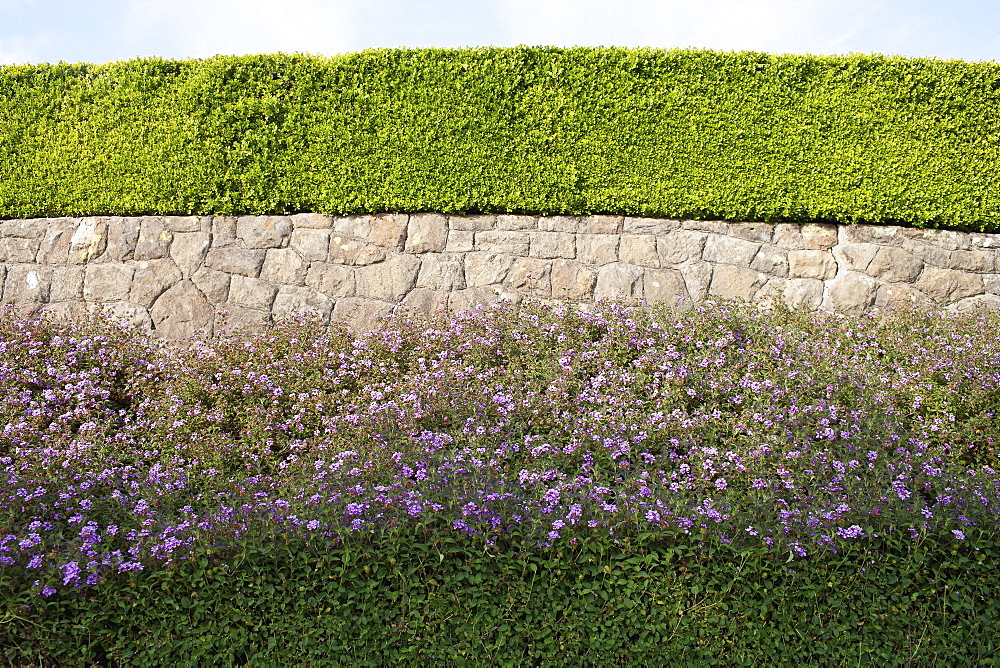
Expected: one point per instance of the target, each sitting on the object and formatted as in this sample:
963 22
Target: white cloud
203 28
776 26
14 51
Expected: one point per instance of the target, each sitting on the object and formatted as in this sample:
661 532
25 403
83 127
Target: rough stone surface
175 275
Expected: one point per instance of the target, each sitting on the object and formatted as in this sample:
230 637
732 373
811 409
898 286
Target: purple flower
958 534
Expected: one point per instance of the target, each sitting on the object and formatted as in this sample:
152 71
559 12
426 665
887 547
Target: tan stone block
312 221
427 233
188 251
361 315
388 281
425 300
353 227
572 280
181 311
809 236
507 243
517 222
472 223
569 224
313 245
895 265
354 252
154 240
531 276
67 284
976 304
598 224
252 292
655 226
771 260
105 282
665 286
719 227
639 250
550 245
73 241
697 278
460 241
223 231
131 315
235 321
945 239
14 249
470 298
735 282
389 231
977 261
486 268
855 257
948 285
619 281
441 271
29 284
213 284
804 294
233 260
151 279
285 266
597 249
253 232
883 235
894 295
333 280
927 252
681 246
811 264
186 223
757 232
292 300
851 293
729 250
992 284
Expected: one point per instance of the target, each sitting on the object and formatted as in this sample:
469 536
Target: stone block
597 249
223 231
712 226
639 250
805 294
389 231
106 282
252 292
213 284
470 298
472 223
64 311
181 311
771 260
680 246
883 235
293 300
507 243
568 224
151 279
655 226
460 242
154 240
17 249
256 232
665 286
729 250
313 245
73 241
948 285
619 281
188 251
441 271
424 300
361 315
233 260
427 233
67 284
311 221
333 280
927 252
757 232
284 266
25 228
895 265
237 321
808 236
486 268
894 295
730 281
387 281
551 245
186 223
945 239
354 252
27 284
572 280
598 224
851 293
992 284
517 223
984 241
531 276
697 278
811 264
977 304
855 257
976 261
127 313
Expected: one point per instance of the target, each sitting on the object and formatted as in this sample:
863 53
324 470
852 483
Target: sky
100 31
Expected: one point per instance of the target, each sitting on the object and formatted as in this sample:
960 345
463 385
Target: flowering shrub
801 432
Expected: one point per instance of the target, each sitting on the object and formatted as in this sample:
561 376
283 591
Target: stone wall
176 275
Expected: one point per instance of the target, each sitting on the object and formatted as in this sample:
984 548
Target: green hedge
680 133
399 601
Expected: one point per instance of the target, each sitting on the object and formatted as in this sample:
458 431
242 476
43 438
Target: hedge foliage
679 133
426 599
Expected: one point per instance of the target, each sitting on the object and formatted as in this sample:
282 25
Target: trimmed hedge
680 133
414 601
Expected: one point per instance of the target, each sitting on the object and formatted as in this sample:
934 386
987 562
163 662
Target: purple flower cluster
798 431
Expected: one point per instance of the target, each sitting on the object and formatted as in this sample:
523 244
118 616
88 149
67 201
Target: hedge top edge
666 133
